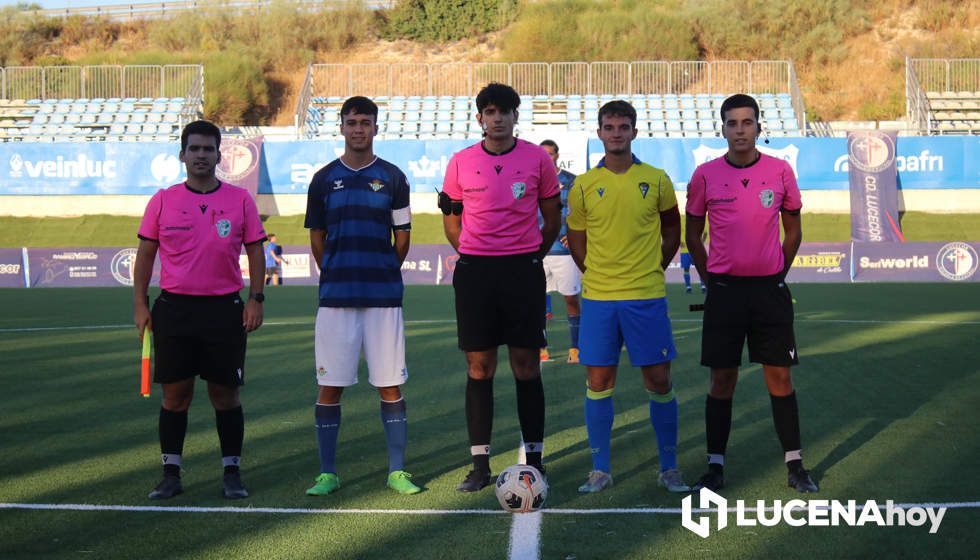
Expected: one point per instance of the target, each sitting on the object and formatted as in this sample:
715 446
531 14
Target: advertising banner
821 262
74 267
141 168
916 262
874 186
927 162
11 268
292 164
240 162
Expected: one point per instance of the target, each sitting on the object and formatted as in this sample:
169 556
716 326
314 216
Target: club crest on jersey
376 185
223 227
644 189
518 190
766 198
601 191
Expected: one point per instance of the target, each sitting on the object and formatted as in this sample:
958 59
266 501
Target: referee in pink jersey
491 196
744 195
200 321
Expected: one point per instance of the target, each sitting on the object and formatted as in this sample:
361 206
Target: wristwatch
259 297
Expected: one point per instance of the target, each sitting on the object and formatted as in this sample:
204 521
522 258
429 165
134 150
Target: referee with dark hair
745 195
200 320
491 196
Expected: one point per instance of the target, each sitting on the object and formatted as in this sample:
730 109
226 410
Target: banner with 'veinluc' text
873 183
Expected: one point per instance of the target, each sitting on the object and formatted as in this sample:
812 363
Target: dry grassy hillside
849 53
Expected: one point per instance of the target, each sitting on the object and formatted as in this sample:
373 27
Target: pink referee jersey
500 195
201 237
742 206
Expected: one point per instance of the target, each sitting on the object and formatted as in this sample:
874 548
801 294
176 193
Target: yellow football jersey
620 214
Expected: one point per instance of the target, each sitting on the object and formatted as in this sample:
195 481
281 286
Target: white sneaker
672 480
597 482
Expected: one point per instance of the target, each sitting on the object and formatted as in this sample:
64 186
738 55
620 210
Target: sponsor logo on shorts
223 227
957 261
766 198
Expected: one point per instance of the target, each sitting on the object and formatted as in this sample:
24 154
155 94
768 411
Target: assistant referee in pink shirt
199 321
491 196
744 195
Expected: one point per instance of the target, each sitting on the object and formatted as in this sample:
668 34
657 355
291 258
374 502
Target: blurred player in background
623 230
686 262
273 261
491 197
744 194
359 219
199 321
560 273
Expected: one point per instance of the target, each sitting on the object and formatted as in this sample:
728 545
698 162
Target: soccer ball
521 489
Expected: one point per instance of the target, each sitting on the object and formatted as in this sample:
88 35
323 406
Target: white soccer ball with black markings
521 489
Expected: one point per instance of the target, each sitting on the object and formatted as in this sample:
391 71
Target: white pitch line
451 321
525 536
359 511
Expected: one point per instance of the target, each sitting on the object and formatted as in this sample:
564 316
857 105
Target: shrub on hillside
236 91
442 20
604 30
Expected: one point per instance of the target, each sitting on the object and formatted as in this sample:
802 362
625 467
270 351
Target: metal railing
74 82
916 104
556 78
945 74
145 10
549 79
796 98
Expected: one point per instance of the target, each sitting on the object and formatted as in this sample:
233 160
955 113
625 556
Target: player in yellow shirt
623 230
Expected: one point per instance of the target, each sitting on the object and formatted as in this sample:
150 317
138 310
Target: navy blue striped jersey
359 209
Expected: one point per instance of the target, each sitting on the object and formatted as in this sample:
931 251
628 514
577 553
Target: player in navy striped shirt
355 206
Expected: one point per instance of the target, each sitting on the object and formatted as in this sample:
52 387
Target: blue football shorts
643 325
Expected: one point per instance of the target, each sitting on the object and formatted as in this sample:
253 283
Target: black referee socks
479 419
231 434
172 428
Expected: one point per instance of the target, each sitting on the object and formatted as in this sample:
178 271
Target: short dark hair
204 128
739 100
360 105
618 108
501 95
552 143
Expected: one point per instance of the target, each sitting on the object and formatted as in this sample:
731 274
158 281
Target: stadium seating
658 115
131 119
955 112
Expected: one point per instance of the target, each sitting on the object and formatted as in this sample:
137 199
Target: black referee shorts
759 308
199 335
499 300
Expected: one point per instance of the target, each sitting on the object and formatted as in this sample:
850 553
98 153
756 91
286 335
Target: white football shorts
341 333
562 275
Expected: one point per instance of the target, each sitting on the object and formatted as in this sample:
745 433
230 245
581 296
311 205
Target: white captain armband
401 218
